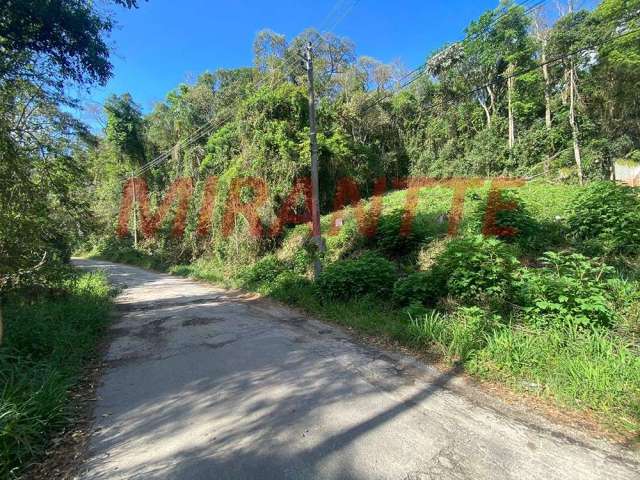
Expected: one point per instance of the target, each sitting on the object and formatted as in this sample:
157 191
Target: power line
209 126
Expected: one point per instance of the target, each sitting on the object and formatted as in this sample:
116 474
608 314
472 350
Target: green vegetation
50 318
548 302
477 270
369 274
559 324
48 342
605 220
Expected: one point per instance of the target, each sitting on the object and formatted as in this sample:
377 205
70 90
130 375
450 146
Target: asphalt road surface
204 383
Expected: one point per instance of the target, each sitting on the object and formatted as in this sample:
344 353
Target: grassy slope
588 372
47 345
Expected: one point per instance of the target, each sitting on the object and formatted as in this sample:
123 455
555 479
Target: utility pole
135 213
315 184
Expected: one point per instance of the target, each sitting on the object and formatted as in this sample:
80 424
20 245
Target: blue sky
166 42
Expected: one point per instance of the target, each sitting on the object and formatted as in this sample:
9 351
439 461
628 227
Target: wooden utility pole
315 184
135 213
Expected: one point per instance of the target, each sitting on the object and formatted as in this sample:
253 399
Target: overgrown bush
514 222
264 270
291 287
570 289
121 250
423 288
477 270
345 242
368 274
301 261
390 238
604 219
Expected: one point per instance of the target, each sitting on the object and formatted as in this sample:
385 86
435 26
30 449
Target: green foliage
290 287
47 344
424 288
347 241
605 219
391 239
457 336
48 47
478 270
569 289
69 37
368 274
513 215
301 261
121 250
583 370
624 295
264 270
124 128
201 269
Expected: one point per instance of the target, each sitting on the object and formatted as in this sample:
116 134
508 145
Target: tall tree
515 49
569 41
125 128
45 45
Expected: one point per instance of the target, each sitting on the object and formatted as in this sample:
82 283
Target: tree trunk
486 112
547 99
542 33
512 126
492 100
573 123
547 88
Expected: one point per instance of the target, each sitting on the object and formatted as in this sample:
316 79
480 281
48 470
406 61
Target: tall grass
47 344
585 370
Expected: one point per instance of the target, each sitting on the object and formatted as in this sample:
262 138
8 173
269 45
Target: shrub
368 274
477 270
301 260
209 269
515 224
390 239
291 287
605 219
458 335
121 250
423 288
297 249
569 290
264 270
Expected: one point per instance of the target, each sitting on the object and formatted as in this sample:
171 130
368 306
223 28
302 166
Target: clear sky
166 42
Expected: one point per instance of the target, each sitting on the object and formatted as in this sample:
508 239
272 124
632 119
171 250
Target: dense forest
521 95
546 93
529 92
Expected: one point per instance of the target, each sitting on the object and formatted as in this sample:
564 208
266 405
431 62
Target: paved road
203 383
